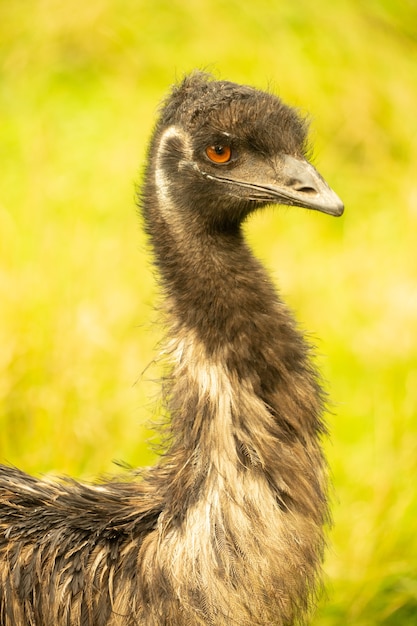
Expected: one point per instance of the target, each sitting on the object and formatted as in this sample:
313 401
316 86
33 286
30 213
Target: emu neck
242 392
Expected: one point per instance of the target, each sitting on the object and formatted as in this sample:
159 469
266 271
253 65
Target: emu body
228 527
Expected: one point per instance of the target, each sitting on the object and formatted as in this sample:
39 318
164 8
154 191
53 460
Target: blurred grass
79 88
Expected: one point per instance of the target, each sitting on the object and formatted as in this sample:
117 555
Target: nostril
305 189
299 185
302 182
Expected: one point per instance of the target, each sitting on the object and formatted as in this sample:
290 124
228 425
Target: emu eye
219 153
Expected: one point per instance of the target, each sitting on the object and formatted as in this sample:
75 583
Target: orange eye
219 154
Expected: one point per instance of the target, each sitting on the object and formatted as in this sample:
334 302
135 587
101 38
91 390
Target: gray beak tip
331 204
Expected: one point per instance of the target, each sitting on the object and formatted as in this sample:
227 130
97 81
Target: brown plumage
228 527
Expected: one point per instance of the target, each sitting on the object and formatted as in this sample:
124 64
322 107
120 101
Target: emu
228 528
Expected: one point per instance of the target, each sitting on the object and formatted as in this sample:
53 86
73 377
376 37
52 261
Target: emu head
221 150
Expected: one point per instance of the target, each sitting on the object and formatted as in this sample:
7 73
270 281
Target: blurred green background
79 89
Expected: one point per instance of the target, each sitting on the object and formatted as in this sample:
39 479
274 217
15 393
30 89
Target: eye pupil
219 153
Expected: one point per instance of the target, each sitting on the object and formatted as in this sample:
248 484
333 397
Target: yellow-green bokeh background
79 87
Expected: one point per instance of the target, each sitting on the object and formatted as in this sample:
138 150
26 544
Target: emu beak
300 184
